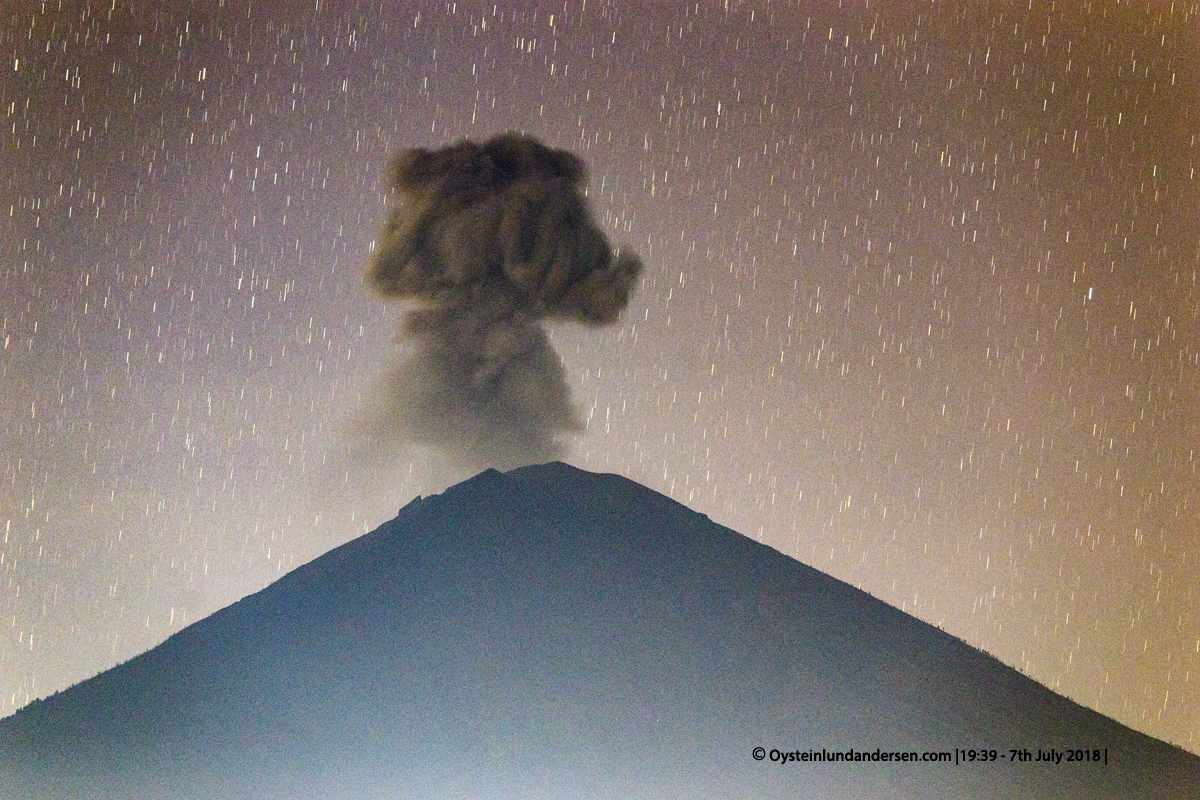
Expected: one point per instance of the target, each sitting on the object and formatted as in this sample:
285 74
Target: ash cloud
487 242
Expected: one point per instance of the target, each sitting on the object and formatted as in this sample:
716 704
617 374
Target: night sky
921 305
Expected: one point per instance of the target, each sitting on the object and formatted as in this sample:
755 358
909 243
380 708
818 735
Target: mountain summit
552 633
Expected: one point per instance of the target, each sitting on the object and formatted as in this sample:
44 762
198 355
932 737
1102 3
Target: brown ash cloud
485 243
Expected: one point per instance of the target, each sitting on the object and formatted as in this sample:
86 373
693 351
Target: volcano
553 633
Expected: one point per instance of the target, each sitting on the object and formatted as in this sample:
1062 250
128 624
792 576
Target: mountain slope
554 633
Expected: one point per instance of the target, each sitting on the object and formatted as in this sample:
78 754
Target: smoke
487 241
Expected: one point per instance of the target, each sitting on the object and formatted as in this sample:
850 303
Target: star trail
920 308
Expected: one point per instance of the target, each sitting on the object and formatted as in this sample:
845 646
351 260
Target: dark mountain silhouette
551 633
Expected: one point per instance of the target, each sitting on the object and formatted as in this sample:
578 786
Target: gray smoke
487 241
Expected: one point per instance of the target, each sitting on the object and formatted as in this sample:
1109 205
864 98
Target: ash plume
487 241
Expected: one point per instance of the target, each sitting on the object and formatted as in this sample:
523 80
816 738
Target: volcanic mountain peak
555 633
